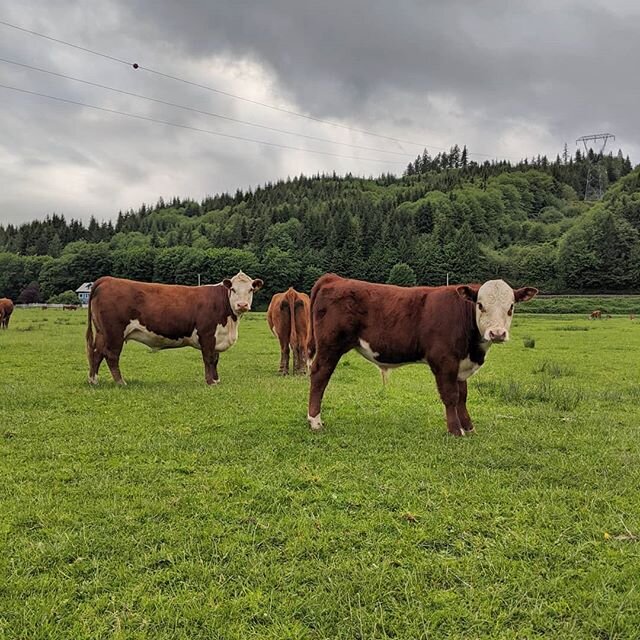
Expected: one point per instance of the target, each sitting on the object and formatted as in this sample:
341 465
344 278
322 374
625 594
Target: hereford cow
69 307
595 315
448 328
288 318
6 309
165 317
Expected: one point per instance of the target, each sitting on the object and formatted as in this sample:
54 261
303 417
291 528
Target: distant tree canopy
446 216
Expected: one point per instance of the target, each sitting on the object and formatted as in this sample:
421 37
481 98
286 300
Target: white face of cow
494 304
241 288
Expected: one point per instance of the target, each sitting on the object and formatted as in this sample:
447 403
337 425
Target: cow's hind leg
463 414
112 356
284 357
301 365
95 355
447 381
323 366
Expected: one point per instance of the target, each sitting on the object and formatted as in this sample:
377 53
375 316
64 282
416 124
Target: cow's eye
480 307
510 312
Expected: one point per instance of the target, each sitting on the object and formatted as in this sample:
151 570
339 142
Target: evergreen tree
403 275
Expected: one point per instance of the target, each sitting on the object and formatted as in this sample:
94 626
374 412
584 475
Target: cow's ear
227 283
467 292
525 293
257 284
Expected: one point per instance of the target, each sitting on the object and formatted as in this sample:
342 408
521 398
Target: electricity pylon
594 185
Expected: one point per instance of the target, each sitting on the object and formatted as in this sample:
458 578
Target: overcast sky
508 79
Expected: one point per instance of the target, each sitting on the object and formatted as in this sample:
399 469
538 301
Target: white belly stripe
369 354
139 333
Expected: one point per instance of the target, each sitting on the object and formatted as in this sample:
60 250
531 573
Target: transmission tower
594 186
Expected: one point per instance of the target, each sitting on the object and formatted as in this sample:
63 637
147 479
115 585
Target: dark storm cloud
508 79
544 58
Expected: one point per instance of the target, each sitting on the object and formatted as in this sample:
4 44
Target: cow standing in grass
288 318
449 328
164 316
6 309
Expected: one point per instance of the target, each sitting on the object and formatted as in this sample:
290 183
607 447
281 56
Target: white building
83 291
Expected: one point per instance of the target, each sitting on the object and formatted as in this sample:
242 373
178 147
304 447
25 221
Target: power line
198 129
68 44
194 110
137 66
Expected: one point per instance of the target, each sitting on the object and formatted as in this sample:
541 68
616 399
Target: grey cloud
503 77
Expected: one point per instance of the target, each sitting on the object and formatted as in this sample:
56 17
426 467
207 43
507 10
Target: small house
83 291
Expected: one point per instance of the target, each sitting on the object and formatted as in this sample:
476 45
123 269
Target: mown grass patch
167 509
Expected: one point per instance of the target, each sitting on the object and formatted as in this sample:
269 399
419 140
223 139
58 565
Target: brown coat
448 328
288 318
165 317
6 309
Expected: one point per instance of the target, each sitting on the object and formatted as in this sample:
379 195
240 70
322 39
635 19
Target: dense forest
444 217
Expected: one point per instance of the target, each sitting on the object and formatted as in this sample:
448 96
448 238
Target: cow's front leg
322 368
463 414
447 381
210 358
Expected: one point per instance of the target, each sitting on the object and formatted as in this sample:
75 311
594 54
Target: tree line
446 217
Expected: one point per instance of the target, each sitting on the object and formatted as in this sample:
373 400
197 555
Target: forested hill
525 223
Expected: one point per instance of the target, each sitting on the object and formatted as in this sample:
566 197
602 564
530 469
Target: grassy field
584 305
167 509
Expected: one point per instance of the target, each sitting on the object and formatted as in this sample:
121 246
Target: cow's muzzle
498 336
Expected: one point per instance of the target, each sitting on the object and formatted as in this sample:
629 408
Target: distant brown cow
165 316
596 314
288 318
69 307
448 328
6 309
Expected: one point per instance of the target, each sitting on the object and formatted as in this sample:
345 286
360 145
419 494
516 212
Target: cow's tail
91 343
293 331
311 344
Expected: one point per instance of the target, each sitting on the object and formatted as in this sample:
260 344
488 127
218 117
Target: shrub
66 297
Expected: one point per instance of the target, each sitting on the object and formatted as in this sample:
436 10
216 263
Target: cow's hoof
315 423
283 373
214 382
93 380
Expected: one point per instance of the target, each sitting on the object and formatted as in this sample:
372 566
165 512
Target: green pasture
167 509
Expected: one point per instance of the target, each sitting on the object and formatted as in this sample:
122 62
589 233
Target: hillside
445 215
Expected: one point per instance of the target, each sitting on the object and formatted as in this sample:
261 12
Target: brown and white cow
596 315
288 318
6 309
164 316
449 328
